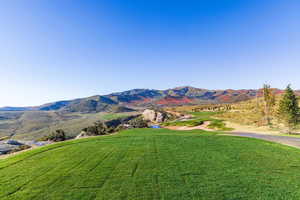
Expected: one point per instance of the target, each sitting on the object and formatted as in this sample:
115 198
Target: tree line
287 112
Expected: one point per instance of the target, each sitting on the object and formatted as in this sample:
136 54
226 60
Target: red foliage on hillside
174 100
224 98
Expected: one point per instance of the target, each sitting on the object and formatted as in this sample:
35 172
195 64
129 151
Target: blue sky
64 49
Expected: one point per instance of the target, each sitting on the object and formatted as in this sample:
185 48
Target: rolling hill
32 125
143 97
73 115
154 164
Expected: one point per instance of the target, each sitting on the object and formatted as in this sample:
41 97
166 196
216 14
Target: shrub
57 136
138 122
219 125
20 148
99 128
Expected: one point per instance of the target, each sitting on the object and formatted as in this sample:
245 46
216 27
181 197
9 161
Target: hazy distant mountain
15 108
144 97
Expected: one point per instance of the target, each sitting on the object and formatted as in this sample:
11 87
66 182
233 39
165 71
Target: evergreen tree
288 111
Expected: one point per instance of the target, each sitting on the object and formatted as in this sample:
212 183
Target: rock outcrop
155 116
82 134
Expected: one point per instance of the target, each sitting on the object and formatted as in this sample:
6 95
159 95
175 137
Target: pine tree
288 111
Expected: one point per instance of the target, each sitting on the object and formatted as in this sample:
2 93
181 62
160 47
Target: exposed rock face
149 115
160 117
155 116
82 134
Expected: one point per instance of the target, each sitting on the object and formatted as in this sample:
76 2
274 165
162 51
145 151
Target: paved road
287 140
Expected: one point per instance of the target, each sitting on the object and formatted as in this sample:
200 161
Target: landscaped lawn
198 119
154 164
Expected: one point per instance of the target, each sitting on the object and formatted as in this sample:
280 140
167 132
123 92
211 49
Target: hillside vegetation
73 115
143 97
252 113
154 164
273 111
36 124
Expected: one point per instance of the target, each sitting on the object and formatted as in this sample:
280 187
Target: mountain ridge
184 95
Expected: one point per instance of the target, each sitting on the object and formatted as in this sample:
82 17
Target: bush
20 148
111 126
219 125
57 136
138 122
99 128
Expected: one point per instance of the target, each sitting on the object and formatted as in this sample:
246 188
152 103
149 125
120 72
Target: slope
32 125
154 164
144 97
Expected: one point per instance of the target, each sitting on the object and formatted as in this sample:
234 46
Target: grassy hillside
154 164
35 124
140 98
251 113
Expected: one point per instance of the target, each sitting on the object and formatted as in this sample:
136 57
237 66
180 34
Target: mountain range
73 115
138 98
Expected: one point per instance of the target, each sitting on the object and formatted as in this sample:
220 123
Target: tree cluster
103 128
56 136
288 111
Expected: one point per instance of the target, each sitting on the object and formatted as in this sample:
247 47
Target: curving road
287 140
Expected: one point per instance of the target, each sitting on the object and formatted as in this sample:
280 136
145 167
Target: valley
73 115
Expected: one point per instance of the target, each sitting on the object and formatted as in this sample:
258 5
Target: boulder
155 116
82 134
149 115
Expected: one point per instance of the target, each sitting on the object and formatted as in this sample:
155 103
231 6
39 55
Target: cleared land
154 164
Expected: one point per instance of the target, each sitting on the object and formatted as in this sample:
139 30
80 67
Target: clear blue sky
64 49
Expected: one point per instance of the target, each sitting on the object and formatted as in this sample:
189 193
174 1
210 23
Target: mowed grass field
154 164
199 118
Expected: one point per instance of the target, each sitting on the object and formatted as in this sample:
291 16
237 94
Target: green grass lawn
199 118
154 164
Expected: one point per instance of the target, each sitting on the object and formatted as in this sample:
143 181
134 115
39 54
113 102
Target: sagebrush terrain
30 125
